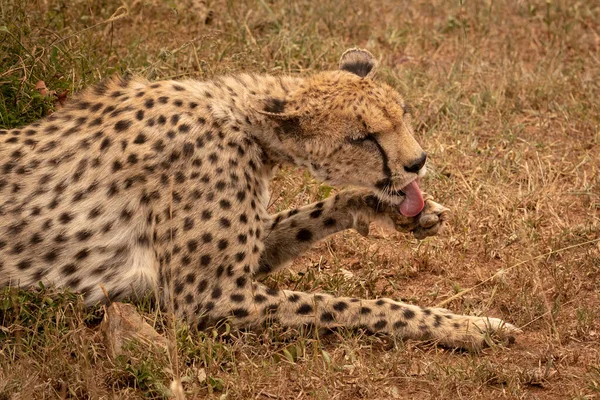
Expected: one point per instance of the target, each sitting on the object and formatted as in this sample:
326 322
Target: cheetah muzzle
163 186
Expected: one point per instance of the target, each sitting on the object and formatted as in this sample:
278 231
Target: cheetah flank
138 186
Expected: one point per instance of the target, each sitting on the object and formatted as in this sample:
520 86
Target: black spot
202 285
241 281
65 218
275 106
207 238
178 287
304 235
220 186
17 248
188 149
24 264
380 324
126 215
304 309
112 190
365 310
240 312
61 238
316 213
122 125
117 166
225 204
237 298
82 254
216 293
83 235
399 324
35 239
409 314
222 245
189 299
329 222
340 306
158 146
327 317
190 278
139 115
241 196
225 223
205 260
206 215
149 103
259 298
140 139
293 298
69 269
188 223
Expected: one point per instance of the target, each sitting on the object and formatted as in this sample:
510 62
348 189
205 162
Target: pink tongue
413 203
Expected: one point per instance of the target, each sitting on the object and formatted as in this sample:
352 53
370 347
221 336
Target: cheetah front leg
297 309
291 233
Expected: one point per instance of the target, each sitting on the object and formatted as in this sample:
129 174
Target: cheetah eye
407 108
361 139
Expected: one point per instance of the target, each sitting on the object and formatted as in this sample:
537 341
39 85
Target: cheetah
140 186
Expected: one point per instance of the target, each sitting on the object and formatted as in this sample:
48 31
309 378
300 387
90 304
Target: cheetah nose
417 164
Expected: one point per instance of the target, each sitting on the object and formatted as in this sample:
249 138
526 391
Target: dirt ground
505 97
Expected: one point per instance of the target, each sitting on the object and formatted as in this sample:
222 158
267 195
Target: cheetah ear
358 61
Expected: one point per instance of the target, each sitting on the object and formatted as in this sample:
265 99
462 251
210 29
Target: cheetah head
349 129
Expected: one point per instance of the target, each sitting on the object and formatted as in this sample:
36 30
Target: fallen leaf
122 323
201 375
61 99
40 86
347 274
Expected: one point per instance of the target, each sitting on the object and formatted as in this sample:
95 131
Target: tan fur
163 186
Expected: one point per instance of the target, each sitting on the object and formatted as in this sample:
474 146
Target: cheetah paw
431 220
479 332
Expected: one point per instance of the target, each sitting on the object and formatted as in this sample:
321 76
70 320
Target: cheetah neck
248 95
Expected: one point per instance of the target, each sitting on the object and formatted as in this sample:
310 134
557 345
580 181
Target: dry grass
505 94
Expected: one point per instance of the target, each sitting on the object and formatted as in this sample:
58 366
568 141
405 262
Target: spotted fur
163 186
